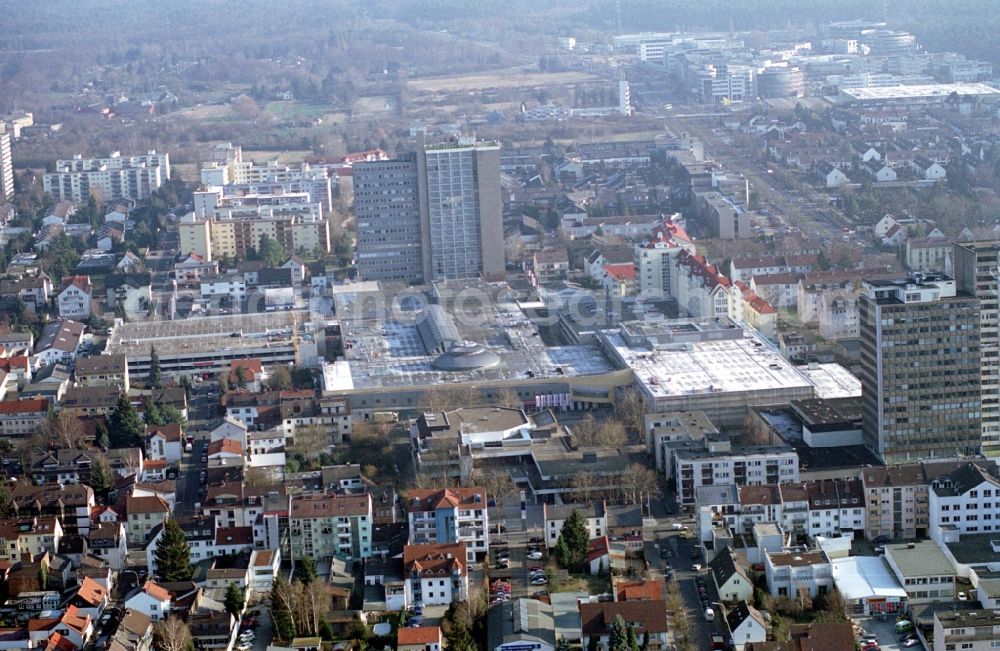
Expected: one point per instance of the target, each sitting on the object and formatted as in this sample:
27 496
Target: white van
709 615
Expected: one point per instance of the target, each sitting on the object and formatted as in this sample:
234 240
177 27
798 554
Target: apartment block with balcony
324 526
449 515
791 573
976 630
964 501
435 574
743 466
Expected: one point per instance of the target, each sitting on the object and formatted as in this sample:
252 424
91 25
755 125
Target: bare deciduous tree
447 397
509 398
66 429
607 432
636 482
172 635
631 409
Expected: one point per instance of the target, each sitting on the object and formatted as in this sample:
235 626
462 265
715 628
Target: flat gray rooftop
209 334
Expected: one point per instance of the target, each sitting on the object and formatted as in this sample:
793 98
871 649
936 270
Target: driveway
264 632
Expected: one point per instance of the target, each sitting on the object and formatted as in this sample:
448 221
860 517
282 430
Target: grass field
293 110
512 78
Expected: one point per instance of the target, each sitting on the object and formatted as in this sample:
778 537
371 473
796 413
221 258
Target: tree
618 640
573 542
125 428
458 630
172 634
103 436
101 478
172 415
66 429
607 432
305 570
155 379
446 397
509 398
633 641
152 412
271 251
637 482
241 377
281 610
280 379
234 600
173 555
631 408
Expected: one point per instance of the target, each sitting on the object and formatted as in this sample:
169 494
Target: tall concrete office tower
387 211
442 203
920 369
461 213
977 271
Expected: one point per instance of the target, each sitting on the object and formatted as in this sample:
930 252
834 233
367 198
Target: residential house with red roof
22 417
89 598
449 515
164 442
619 280
419 638
435 574
246 374
76 298
152 600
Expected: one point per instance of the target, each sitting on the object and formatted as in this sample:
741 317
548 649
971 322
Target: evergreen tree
234 600
125 428
173 555
271 251
459 637
281 614
153 414
102 435
305 570
172 415
618 640
562 644
574 540
155 379
241 377
633 641
100 476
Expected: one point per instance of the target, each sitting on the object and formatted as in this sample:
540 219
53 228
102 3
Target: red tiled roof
433 499
150 504
234 536
225 445
91 591
171 432
434 560
640 590
621 271
80 282
418 635
156 591
29 406
252 368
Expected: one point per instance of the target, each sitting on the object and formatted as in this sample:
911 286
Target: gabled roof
92 592
156 591
742 612
231 446
418 635
151 504
434 560
962 480
724 567
420 500
621 271
649 616
170 432
80 282
639 590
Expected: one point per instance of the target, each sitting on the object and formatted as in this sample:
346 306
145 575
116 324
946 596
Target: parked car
910 642
538 540
539 580
534 555
696 567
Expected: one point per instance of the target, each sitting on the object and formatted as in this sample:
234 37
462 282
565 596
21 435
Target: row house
62 466
144 514
836 508
19 418
744 269
29 537
34 291
897 498
107 541
71 504
103 370
324 526
780 289
450 515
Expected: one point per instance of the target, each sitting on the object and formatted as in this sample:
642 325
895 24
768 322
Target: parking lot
888 639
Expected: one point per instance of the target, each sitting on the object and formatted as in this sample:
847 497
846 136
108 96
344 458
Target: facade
920 393
966 630
107 179
461 213
387 210
20 418
450 515
435 574
6 167
324 526
75 301
790 573
963 502
747 466
731 580
103 370
726 220
923 570
436 215
976 264
144 515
